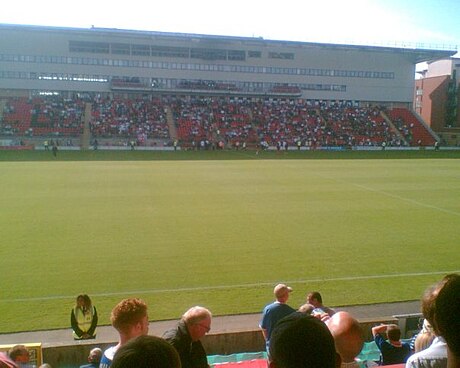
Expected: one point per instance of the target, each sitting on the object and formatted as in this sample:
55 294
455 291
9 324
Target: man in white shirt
436 355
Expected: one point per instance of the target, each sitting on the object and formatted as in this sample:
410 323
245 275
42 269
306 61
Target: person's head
45 365
130 318
198 322
426 327
429 303
83 301
301 341
146 352
95 356
306 308
393 333
19 354
448 313
423 341
314 298
281 292
348 335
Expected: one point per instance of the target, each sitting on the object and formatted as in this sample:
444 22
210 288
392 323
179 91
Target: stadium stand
229 119
241 90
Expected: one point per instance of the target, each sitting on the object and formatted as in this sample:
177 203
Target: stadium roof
416 54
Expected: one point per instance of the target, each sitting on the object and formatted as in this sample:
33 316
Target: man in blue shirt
393 351
275 311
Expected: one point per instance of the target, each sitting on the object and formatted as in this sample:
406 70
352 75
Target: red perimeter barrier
256 363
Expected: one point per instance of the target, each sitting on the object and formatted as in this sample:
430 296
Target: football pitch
219 231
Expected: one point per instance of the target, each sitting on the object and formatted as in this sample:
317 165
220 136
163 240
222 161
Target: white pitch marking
223 287
413 201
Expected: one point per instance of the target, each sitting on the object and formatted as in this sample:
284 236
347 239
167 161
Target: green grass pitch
220 229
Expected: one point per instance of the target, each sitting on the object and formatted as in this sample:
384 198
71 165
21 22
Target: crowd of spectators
358 126
43 115
323 123
193 117
409 126
314 336
58 114
291 342
127 118
283 123
229 119
213 119
404 128
286 121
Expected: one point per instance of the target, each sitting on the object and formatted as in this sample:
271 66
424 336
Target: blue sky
375 22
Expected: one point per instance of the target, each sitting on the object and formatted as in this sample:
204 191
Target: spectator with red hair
130 319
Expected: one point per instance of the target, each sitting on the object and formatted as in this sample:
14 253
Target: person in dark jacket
185 337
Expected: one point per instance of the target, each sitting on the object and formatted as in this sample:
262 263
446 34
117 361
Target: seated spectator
348 338
436 354
306 308
94 358
447 318
185 337
20 355
130 319
314 298
393 351
146 352
426 328
423 340
302 341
